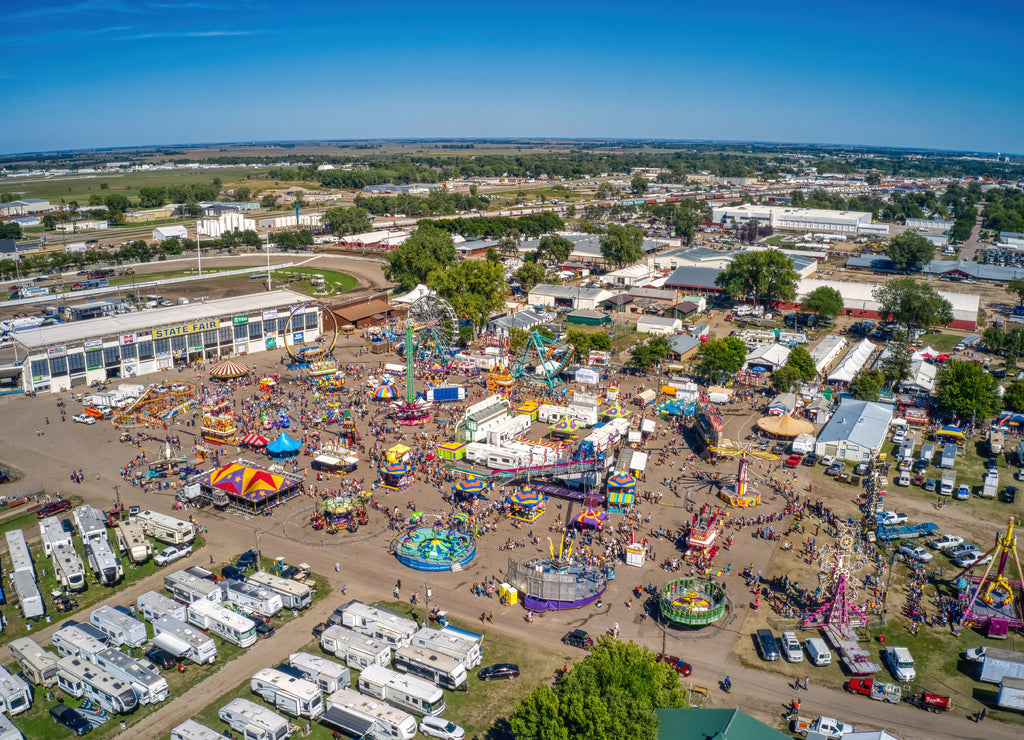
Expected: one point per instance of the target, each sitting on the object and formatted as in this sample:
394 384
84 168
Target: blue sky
103 73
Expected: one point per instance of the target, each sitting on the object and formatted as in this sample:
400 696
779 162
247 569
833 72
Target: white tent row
855 359
827 350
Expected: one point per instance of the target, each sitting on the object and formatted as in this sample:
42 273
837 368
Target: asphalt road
972 245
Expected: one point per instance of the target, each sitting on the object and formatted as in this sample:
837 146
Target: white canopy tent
852 364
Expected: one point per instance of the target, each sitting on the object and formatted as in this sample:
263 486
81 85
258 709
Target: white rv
7 729
15 693
85 680
59 547
190 588
457 645
252 597
295 697
152 606
142 676
223 622
23 575
377 623
37 665
326 674
192 730
363 716
91 522
103 561
438 668
358 651
294 595
132 542
119 627
254 722
166 528
406 692
182 641
73 641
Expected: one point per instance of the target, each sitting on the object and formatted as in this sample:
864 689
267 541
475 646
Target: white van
904 479
818 651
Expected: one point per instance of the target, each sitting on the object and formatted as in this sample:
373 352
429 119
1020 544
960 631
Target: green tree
912 304
152 196
1013 399
530 274
767 275
895 363
965 389
909 251
639 184
868 386
645 356
824 301
1016 286
242 193
622 245
49 222
268 201
800 359
555 248
685 222
785 379
719 359
10 230
475 288
492 255
427 250
344 221
995 338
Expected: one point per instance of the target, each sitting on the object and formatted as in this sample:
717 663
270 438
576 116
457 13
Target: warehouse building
563 296
160 233
133 344
803 219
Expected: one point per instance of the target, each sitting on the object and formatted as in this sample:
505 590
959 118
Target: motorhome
104 563
438 668
358 651
376 622
406 692
296 697
251 597
461 646
183 641
121 628
166 528
23 575
37 665
254 722
15 693
142 676
192 730
72 640
294 595
59 547
362 716
223 622
190 588
91 522
326 674
152 605
84 680
132 542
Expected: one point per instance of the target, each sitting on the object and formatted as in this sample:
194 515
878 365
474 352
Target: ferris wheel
838 562
436 330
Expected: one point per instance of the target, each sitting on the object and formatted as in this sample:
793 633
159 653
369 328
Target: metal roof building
856 430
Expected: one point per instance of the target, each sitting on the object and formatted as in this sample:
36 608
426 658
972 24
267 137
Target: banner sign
60 351
126 339
93 343
177 331
270 315
237 320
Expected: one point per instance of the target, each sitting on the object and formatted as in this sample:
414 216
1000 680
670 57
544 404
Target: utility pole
117 499
426 604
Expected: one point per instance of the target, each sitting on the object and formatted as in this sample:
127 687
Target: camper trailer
948 455
294 595
254 722
142 676
406 692
7 729
59 547
23 575
363 716
438 668
84 680
15 693
996 441
223 622
74 641
296 697
461 646
132 542
192 730
104 563
91 523
182 641
190 588
326 674
927 453
37 665
358 651
251 597
152 606
119 627
377 623
166 528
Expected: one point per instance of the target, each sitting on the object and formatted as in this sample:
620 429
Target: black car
264 629
1010 494
246 561
70 720
499 670
578 638
920 466
232 572
161 658
998 374
992 463
779 448
810 460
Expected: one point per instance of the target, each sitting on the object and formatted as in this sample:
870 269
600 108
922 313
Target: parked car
963 492
499 670
790 647
835 468
916 552
246 561
972 558
83 419
54 507
319 630
945 541
920 466
264 628
766 644
793 460
578 638
70 719
161 658
892 517
681 666
1010 494
442 728
930 485
778 448
861 469
810 460
961 549
170 554
827 461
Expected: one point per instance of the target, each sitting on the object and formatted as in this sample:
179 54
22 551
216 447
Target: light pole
426 604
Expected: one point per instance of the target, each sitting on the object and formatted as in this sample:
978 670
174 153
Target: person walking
807 681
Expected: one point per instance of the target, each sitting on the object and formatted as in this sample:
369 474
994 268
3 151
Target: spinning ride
741 493
994 600
542 360
693 602
159 404
305 356
434 548
556 583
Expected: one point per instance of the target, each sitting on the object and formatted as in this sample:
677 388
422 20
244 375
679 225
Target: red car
54 507
681 666
793 460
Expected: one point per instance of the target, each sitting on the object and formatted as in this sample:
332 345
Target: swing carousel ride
692 602
993 600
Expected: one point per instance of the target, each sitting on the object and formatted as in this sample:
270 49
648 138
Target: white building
827 351
658 325
563 296
772 357
83 225
227 222
858 300
628 277
856 431
306 220
784 217
176 231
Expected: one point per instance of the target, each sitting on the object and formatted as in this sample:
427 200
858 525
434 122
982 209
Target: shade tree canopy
909 251
967 391
766 276
427 250
912 304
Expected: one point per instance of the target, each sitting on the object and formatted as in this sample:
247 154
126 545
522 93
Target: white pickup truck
827 726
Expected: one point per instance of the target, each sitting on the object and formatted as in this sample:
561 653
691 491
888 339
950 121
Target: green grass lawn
80 187
942 342
337 282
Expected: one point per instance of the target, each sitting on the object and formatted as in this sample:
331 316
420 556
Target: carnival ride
219 424
434 548
542 360
526 505
993 600
158 405
340 512
306 356
741 493
436 329
228 370
692 602
705 529
411 411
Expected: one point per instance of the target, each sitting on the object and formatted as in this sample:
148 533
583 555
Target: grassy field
80 187
337 282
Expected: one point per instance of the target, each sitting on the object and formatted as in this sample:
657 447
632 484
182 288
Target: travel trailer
358 651
326 674
190 588
252 721
15 693
438 668
461 646
84 680
120 627
37 665
223 622
74 641
23 575
59 547
377 623
166 528
295 697
152 606
251 597
132 542
142 676
183 641
405 692
362 716
294 595
192 730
